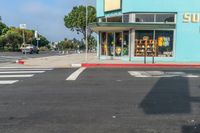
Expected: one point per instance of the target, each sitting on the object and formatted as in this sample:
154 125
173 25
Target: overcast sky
44 15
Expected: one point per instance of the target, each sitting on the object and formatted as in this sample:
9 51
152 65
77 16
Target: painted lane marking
160 74
76 74
137 74
16 76
21 72
26 69
191 76
8 82
21 68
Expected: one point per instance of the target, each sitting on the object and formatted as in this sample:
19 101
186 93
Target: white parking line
21 72
8 82
76 74
16 76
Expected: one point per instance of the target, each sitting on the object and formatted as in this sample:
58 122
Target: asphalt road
13 56
101 100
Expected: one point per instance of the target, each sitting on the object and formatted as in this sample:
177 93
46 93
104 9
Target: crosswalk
12 75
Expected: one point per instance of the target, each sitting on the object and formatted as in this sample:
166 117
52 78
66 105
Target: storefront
131 30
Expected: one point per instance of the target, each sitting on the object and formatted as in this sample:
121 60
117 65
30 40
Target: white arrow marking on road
161 74
76 74
16 76
21 72
8 82
137 74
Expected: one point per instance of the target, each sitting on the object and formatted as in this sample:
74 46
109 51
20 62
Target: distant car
30 49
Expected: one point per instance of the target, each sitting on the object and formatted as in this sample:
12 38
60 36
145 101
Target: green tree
2 27
3 42
29 34
13 39
69 44
42 42
76 19
92 43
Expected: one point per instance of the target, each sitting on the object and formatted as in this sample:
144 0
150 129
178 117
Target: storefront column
132 43
98 45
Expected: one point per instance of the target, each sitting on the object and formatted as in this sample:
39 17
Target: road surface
99 100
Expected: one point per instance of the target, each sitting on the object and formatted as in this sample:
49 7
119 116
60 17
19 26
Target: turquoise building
166 31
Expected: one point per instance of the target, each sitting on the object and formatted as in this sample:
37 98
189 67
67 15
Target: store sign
191 17
111 5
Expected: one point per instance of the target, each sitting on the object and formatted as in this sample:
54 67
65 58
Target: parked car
30 49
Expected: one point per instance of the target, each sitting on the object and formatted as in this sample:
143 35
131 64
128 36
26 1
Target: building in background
130 30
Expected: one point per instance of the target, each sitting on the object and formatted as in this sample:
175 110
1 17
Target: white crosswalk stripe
20 72
16 76
11 75
161 74
8 82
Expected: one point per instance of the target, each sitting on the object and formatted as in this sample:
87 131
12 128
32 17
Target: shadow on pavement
191 129
168 96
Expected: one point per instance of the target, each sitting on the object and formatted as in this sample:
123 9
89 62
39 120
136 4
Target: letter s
186 18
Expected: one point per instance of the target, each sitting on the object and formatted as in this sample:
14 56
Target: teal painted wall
187 39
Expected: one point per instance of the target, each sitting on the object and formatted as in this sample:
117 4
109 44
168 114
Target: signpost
23 28
37 38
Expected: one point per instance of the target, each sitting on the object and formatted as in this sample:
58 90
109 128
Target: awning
115 26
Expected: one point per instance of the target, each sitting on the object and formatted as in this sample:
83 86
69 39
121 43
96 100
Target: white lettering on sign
191 17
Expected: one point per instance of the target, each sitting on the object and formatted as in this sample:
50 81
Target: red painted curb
142 65
20 62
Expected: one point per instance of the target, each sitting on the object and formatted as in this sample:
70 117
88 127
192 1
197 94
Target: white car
27 48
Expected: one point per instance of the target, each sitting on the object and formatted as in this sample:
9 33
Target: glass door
110 42
125 46
118 44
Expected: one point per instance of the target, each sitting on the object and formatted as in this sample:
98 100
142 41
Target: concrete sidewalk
67 60
77 60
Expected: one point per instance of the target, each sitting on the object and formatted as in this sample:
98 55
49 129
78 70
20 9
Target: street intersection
100 100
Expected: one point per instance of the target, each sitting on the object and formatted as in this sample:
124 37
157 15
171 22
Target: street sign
22 26
36 34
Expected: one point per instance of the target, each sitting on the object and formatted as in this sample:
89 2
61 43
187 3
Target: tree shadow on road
168 96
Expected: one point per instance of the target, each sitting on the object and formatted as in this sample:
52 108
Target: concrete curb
142 65
76 65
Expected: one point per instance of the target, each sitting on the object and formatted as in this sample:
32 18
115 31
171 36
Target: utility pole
86 37
23 27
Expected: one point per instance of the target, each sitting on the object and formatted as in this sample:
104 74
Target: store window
159 45
144 18
114 19
165 17
102 19
165 44
115 43
126 18
141 44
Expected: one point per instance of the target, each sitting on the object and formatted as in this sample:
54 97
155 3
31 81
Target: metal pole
37 42
145 53
23 37
24 41
86 38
